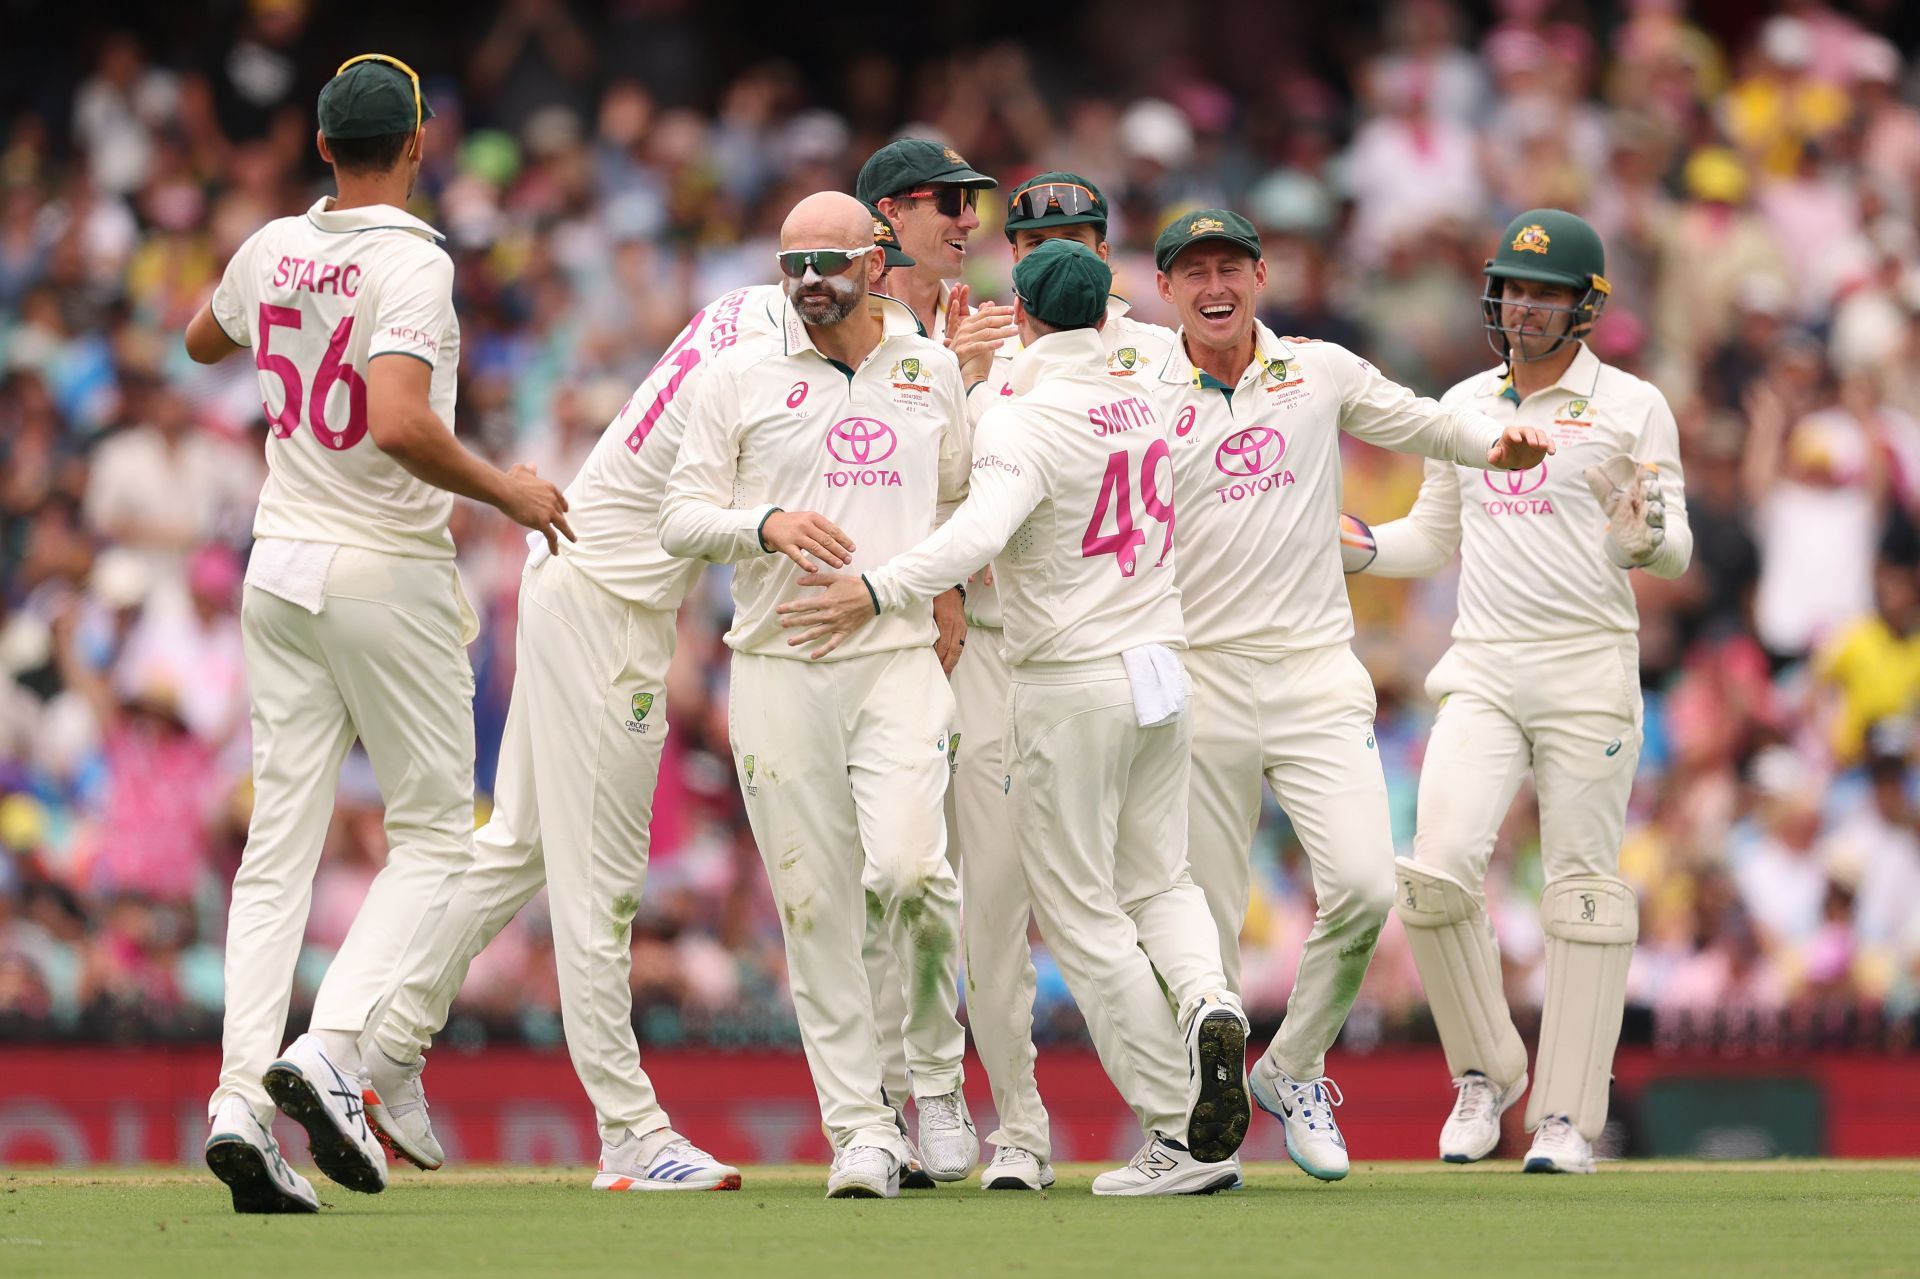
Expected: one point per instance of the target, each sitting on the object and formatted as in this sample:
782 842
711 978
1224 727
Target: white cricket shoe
1558 1147
397 1108
1305 1111
949 1147
328 1103
1016 1169
1472 1131
674 1164
912 1175
1217 1111
1164 1168
864 1172
243 1153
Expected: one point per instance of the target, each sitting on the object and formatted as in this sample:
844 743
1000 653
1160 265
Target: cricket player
1543 675
852 413
1277 690
579 762
1099 709
930 195
995 905
354 621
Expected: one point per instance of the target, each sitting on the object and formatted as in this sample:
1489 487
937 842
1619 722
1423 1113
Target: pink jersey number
683 356
333 368
1116 498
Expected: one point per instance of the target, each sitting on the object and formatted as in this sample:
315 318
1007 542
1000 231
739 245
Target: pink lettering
1121 415
1242 490
329 275
867 479
350 280
280 275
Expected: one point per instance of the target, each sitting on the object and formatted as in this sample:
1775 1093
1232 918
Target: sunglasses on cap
1036 202
794 262
949 200
413 78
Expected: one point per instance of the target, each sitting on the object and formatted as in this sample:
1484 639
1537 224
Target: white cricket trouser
994 903
384 660
1568 710
1102 807
572 803
844 766
1305 723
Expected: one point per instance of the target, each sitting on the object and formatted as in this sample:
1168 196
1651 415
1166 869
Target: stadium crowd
1756 181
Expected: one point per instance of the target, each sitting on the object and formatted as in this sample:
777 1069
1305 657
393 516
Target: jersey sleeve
697 518
232 303
1380 411
1008 482
956 454
1660 449
414 309
1423 540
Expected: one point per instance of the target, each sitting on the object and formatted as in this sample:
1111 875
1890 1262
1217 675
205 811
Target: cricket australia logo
1200 226
953 753
910 369
642 706
1250 459
746 767
1513 491
861 444
1126 357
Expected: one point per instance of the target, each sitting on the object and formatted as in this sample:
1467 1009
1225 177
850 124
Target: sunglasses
413 77
794 262
1036 202
949 200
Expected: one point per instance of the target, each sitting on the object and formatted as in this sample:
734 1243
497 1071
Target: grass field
1786 1218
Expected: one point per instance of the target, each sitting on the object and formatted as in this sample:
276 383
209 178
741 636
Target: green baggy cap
1063 283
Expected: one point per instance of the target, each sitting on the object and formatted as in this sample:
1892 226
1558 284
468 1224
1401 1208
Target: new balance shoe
1015 1169
654 1163
1472 1131
913 1175
1164 1167
397 1108
864 1172
243 1154
1305 1110
949 1148
1217 1111
1559 1147
326 1101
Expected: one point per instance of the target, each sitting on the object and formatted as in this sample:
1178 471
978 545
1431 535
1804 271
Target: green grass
1786 1218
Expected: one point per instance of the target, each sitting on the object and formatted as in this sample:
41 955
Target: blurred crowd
600 174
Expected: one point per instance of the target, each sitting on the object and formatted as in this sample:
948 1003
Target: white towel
294 571
1159 684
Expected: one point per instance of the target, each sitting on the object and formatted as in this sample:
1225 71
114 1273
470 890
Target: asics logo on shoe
349 1098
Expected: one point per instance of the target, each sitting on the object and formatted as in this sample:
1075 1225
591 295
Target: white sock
342 1046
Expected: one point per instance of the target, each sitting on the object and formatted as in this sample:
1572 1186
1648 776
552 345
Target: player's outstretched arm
401 419
1417 545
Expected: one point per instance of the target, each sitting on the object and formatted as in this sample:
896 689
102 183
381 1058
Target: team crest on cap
1200 226
882 233
1533 238
952 155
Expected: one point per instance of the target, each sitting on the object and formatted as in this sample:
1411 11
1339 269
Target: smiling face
1535 329
828 220
930 237
1214 286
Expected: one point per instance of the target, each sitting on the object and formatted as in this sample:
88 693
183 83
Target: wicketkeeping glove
1636 511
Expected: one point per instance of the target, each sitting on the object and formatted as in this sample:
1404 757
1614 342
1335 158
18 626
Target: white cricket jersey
1533 563
1260 485
1072 497
317 297
880 450
614 502
1134 349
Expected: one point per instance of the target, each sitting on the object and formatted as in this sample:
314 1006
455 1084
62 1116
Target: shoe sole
1221 1114
1317 1173
334 1153
1009 1182
1225 1181
395 1148
859 1190
1547 1165
628 1184
918 1179
239 1164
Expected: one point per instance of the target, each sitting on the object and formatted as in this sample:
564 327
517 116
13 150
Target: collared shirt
318 297
1071 498
1260 484
613 504
880 450
1134 350
1532 543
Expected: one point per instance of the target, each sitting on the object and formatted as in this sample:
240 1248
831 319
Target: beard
824 302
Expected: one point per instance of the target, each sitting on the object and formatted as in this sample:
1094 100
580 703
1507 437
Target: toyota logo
860 441
1516 483
1254 451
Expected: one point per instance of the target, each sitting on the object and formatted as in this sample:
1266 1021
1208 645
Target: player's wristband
870 594
760 533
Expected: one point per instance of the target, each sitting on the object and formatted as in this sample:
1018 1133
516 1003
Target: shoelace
941 1113
1321 1091
683 1151
1554 1129
1014 1155
1475 1095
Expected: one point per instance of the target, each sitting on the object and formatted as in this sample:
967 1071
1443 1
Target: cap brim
1538 274
895 257
962 177
1205 236
1064 219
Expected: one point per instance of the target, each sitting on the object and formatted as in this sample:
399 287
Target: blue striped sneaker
647 1163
